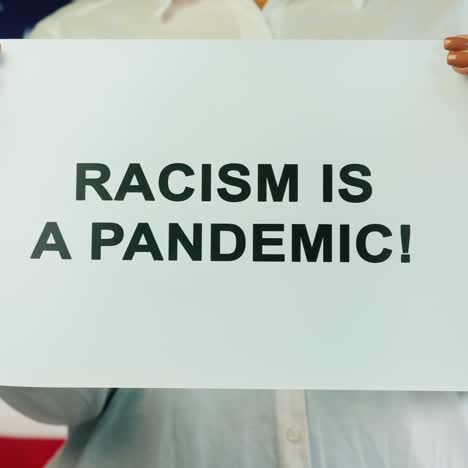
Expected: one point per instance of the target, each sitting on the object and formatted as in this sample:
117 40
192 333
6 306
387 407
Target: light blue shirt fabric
237 429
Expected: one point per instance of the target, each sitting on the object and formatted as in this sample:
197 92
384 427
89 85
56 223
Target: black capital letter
228 179
143 231
323 238
97 242
177 236
216 254
348 179
134 170
164 182
259 242
51 229
361 243
266 179
96 183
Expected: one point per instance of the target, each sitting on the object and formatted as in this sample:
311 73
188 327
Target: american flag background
17 17
23 442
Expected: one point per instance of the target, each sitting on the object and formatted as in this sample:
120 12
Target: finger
458 59
456 43
462 71
458 53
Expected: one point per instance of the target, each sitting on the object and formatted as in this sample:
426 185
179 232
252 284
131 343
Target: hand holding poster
172 223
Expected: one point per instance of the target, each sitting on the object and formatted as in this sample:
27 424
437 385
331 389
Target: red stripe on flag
27 453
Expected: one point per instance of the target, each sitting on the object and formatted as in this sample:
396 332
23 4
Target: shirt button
293 434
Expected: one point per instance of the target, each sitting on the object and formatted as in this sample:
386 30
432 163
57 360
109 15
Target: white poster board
371 141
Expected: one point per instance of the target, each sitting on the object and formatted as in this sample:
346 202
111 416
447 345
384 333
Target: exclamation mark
405 242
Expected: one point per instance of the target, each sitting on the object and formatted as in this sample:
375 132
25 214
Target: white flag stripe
14 424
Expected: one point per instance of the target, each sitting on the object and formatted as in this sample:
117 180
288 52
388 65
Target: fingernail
459 59
456 43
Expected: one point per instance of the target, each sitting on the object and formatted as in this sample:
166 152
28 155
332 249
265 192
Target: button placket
292 429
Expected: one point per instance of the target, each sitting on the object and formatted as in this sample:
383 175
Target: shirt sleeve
68 407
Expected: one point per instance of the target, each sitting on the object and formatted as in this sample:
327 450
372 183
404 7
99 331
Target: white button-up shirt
164 428
371 19
254 429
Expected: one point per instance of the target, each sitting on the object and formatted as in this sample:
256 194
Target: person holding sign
177 428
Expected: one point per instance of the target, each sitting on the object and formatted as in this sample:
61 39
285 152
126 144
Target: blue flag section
17 17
